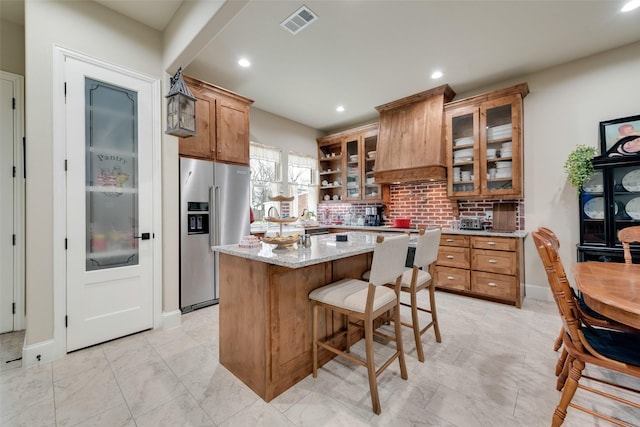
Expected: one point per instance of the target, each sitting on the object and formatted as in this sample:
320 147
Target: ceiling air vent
300 19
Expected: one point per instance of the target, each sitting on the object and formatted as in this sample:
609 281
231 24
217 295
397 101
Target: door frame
18 201
59 193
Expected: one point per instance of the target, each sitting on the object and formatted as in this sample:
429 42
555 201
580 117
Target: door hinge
65 165
13 103
13 308
14 171
65 243
14 240
65 91
66 321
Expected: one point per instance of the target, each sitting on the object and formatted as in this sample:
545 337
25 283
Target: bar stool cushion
423 277
351 294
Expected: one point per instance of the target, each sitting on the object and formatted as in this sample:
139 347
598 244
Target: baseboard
171 319
35 354
542 293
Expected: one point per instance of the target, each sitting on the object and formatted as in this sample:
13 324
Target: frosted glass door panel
112 164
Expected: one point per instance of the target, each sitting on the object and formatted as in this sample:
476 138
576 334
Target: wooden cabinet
222 125
484 145
410 141
482 266
347 163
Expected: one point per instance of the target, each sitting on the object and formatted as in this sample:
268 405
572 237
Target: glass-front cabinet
347 164
484 145
609 202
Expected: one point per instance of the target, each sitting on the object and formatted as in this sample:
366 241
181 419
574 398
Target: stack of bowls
503 169
456 174
506 150
499 132
467 140
464 155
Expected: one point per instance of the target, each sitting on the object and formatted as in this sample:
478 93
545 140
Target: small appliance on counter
471 223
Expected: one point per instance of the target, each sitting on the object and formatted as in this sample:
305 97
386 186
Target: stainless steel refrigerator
214 210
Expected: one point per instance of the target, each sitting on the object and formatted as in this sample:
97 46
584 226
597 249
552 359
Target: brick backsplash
426 203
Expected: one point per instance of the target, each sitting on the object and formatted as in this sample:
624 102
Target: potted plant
578 165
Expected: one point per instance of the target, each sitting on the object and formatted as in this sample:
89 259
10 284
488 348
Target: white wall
11 47
563 109
91 29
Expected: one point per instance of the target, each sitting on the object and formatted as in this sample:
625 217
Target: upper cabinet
347 164
484 145
410 140
222 125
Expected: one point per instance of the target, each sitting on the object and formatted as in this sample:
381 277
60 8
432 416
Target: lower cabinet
482 266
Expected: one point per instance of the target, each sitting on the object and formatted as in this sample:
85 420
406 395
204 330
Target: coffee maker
373 216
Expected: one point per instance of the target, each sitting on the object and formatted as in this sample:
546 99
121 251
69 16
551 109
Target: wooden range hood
410 140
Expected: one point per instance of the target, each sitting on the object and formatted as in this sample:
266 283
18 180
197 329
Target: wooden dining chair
417 278
587 315
586 345
627 236
364 302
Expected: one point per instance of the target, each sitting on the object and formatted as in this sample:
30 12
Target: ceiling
364 53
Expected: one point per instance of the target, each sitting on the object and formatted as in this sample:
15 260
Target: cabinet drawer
454 240
495 285
452 278
493 243
494 261
452 256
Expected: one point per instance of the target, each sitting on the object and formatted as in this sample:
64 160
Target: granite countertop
518 233
323 248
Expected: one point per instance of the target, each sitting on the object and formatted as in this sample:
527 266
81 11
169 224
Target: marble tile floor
494 367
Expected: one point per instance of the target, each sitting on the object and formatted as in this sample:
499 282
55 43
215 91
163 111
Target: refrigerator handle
212 217
214 214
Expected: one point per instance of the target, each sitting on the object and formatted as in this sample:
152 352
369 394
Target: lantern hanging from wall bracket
181 108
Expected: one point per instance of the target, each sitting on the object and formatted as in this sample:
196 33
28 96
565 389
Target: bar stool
365 302
418 278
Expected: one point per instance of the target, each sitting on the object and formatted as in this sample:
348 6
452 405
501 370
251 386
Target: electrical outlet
488 215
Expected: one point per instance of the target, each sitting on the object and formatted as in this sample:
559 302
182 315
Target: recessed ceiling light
244 62
629 6
340 109
436 74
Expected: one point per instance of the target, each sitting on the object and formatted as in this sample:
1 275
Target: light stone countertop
323 248
518 233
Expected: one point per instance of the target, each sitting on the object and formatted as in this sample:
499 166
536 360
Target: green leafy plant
578 165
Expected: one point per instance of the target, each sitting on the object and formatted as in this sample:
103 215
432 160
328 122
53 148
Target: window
302 183
265 177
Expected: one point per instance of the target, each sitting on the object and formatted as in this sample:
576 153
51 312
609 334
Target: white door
109 204
6 212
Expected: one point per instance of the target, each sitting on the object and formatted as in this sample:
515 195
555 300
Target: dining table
611 289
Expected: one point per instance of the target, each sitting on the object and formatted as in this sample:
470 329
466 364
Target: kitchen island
265 314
